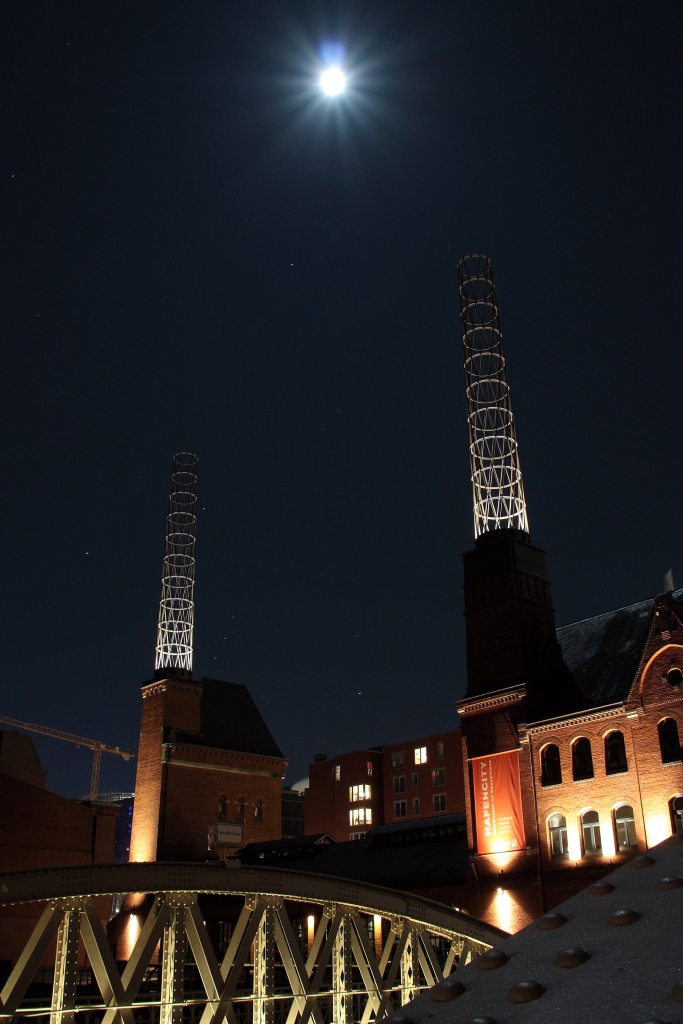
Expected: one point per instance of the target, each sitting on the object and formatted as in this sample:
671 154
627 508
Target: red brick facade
604 802
182 786
337 800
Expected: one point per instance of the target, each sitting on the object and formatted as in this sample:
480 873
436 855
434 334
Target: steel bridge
366 949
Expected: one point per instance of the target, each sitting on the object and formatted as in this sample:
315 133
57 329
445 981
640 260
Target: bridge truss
367 951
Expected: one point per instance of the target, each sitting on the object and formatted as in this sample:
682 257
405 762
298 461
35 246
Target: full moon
333 81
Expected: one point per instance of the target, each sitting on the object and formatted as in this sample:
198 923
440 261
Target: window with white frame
398 759
420 755
336 773
400 784
416 806
357 793
626 827
438 776
360 816
558 835
590 832
416 780
357 835
400 809
439 802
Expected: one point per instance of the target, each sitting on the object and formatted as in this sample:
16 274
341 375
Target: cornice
488 701
578 719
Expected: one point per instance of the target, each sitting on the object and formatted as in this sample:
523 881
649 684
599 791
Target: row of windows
336 771
360 816
623 823
398 758
614 752
438 779
439 803
240 805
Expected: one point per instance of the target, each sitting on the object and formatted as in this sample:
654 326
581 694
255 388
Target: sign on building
226 833
498 816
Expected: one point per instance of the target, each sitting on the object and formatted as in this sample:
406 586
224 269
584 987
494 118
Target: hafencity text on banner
498 803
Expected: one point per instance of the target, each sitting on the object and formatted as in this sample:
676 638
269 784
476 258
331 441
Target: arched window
626 827
258 810
669 742
240 808
676 808
551 766
590 832
222 804
615 753
558 835
582 758
674 678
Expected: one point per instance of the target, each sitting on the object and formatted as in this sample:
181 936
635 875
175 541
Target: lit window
439 751
360 816
590 831
369 767
416 780
400 809
416 806
615 754
420 755
558 835
400 784
357 793
258 810
626 827
676 808
669 742
551 765
439 802
582 758
438 776
398 759
336 773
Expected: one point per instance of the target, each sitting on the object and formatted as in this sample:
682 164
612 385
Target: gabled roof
619 954
230 721
603 652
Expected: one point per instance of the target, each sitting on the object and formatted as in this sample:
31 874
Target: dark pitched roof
397 859
291 843
231 721
603 652
631 974
438 821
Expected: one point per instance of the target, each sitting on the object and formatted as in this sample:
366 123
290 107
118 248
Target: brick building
205 755
345 795
40 829
352 793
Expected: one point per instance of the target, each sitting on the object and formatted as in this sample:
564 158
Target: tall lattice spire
497 487
176 610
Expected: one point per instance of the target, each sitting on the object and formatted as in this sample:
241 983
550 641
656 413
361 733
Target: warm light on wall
311 932
573 842
503 908
607 839
377 922
658 828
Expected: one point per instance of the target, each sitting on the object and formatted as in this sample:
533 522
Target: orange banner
498 803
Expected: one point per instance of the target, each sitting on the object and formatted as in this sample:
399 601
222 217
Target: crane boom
96 746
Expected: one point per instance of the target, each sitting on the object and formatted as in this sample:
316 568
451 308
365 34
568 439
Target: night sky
202 253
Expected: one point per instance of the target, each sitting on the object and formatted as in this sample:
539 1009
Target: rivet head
673 882
549 921
675 840
444 992
525 991
677 992
643 862
622 917
600 889
489 961
571 957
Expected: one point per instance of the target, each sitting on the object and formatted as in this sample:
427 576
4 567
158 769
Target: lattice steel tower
497 487
176 610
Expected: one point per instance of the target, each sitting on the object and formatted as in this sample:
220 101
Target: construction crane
96 746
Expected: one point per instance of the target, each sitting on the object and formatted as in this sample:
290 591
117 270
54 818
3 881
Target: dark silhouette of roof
406 855
603 652
609 954
230 721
